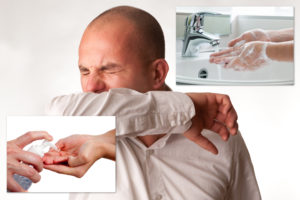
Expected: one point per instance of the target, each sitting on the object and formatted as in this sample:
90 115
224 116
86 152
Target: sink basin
198 70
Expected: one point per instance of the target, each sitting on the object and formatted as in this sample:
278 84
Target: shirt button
149 152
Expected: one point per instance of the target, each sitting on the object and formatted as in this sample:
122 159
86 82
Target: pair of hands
78 152
247 52
77 155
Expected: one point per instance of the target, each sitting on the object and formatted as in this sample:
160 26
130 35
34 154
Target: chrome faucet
194 32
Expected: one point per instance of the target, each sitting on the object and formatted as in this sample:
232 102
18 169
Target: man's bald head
123 48
148 34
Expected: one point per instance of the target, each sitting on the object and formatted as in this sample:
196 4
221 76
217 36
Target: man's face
109 58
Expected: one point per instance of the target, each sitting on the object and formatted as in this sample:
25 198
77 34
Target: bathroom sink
198 70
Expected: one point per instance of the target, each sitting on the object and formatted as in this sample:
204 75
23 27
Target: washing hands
246 52
248 56
256 48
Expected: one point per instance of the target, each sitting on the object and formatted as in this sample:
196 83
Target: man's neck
148 140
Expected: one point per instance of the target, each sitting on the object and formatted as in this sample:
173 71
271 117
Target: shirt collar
160 143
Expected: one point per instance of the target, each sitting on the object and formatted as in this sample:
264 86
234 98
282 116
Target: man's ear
160 70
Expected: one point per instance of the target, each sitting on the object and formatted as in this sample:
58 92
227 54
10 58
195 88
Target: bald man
124 48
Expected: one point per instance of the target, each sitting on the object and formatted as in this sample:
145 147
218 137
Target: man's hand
79 152
213 112
18 161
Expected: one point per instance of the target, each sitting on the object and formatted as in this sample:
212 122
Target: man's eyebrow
111 65
105 67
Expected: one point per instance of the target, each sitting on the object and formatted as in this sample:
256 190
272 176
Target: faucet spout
195 34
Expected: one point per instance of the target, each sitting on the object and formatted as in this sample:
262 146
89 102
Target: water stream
219 67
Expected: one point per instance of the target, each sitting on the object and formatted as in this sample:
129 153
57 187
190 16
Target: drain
202 73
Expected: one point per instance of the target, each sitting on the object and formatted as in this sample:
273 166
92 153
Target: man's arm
154 112
214 112
137 114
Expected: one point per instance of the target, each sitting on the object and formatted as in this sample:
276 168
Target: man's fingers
31 159
231 118
12 185
227 114
31 136
220 129
221 117
234 129
224 103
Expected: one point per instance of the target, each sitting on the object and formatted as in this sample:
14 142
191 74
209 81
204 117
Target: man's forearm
137 113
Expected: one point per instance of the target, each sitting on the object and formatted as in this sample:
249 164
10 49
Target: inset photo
61 154
234 45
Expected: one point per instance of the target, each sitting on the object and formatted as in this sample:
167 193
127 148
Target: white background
38 52
61 127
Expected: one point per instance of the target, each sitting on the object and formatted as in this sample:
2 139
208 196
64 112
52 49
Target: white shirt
173 167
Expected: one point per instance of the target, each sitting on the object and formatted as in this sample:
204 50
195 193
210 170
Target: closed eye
84 70
111 68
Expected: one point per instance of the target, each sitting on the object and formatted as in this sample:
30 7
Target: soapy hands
255 48
249 56
18 160
79 152
249 36
214 112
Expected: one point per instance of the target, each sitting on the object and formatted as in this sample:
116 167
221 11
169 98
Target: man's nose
95 84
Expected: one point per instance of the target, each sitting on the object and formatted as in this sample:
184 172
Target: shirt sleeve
243 183
136 113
